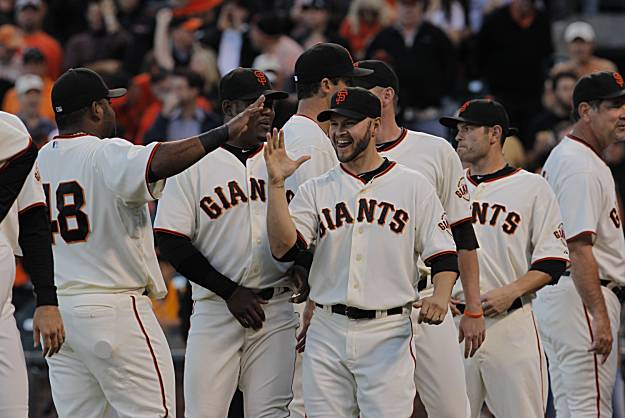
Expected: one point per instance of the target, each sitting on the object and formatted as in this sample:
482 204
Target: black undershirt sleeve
444 262
190 262
464 236
35 242
295 252
12 177
554 268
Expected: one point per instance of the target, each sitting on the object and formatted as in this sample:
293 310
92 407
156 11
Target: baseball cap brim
360 72
269 94
327 114
614 95
452 123
113 93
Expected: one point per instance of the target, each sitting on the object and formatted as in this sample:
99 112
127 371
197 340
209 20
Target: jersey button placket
358 265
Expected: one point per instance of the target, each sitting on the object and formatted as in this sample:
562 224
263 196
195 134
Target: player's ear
228 108
495 134
325 86
389 96
583 109
96 111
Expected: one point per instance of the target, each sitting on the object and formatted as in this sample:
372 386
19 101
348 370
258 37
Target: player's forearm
470 278
443 282
530 282
280 227
171 158
585 275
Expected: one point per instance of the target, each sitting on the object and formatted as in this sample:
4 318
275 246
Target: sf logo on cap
463 107
618 79
341 95
260 76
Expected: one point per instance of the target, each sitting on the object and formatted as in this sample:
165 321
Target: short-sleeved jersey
517 222
302 136
586 193
221 206
14 137
436 159
30 196
368 235
101 231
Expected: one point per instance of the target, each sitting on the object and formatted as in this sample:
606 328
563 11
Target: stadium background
170 55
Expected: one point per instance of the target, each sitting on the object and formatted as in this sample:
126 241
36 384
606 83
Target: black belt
357 313
617 290
518 303
270 292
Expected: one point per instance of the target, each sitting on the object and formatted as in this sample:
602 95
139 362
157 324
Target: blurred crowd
170 55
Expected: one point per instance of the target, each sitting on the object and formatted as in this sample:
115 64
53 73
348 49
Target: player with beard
367 233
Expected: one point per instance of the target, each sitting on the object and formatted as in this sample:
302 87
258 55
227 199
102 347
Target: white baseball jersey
220 205
436 159
586 192
303 136
351 222
13 136
517 222
102 235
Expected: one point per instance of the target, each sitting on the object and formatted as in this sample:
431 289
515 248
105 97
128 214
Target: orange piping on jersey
307 117
70 136
301 238
18 155
147 340
387 146
461 221
580 234
493 179
581 141
255 153
430 258
169 231
592 339
147 169
393 164
552 259
540 361
34 205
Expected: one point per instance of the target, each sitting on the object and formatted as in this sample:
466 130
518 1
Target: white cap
28 82
579 30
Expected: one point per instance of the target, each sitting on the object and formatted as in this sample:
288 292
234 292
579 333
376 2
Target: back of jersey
97 192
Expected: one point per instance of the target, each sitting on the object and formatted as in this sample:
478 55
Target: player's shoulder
530 180
14 136
408 175
571 157
432 143
300 130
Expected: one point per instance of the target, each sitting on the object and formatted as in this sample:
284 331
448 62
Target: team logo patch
618 79
260 76
443 224
462 191
37 174
341 95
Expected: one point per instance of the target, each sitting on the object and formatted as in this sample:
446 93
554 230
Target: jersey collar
507 171
581 141
387 146
367 177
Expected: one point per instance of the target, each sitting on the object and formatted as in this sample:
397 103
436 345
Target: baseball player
212 218
517 221
579 318
115 352
441 369
367 236
24 225
319 73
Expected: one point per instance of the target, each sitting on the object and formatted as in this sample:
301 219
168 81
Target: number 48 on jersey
71 222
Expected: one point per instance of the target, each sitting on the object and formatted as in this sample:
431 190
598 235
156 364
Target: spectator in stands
450 17
312 24
580 40
180 115
364 20
133 17
11 42
174 40
29 88
7 16
230 39
29 16
479 9
268 36
33 62
514 45
424 60
103 46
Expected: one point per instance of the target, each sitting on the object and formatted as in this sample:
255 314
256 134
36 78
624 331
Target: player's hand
453 306
48 326
433 309
473 332
238 124
602 336
307 317
246 307
497 301
298 283
279 165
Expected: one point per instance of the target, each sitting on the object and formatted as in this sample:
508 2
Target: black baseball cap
247 84
481 112
383 75
598 86
326 60
78 88
354 103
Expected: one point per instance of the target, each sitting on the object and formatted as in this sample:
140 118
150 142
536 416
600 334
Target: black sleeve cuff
554 268
304 259
464 236
294 251
190 262
35 242
444 262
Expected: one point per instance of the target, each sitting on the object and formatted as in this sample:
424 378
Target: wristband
212 139
473 314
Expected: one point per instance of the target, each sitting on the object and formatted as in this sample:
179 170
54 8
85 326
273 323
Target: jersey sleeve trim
18 155
171 232
461 221
301 240
566 260
34 205
428 261
580 234
147 170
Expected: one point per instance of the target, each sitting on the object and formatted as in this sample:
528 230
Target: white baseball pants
509 370
222 355
582 386
115 355
354 367
296 407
